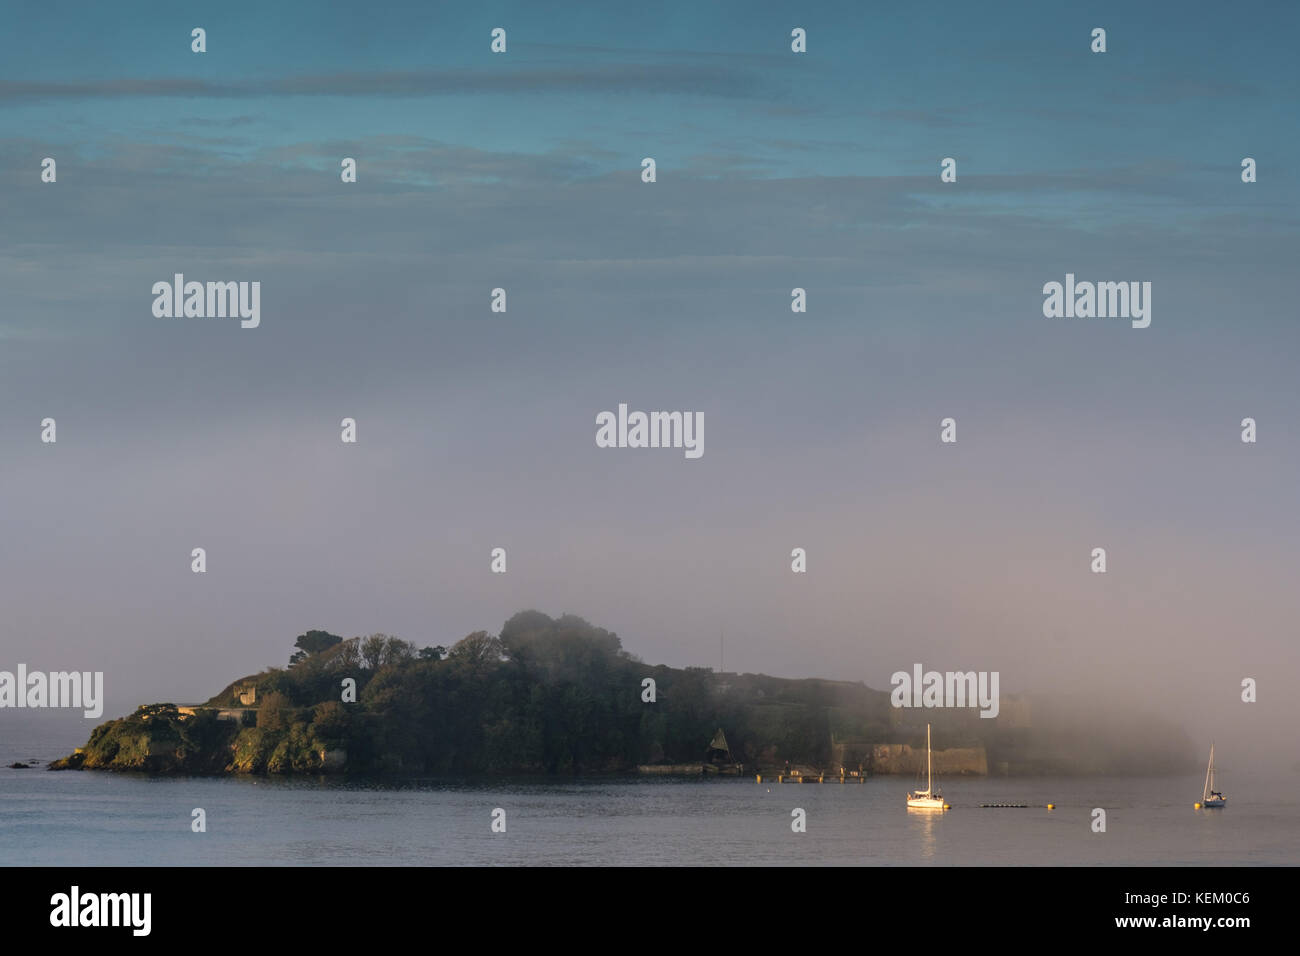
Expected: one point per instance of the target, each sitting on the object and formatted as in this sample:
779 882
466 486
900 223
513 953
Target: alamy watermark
651 430
1102 300
55 689
950 689
75 908
211 300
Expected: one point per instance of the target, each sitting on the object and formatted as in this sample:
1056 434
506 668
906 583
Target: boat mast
929 786
1209 774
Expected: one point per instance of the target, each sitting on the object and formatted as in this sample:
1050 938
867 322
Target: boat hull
925 803
1211 804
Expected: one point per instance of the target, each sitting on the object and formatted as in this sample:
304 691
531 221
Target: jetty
799 775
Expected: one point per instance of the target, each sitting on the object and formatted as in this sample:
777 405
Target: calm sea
91 819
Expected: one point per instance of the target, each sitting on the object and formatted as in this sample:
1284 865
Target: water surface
91 818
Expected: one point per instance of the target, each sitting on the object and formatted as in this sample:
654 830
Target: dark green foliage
331 721
555 695
275 713
380 650
313 642
157 737
148 711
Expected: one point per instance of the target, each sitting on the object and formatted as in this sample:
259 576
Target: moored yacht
929 798
1209 796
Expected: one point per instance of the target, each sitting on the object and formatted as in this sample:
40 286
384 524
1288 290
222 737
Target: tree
560 648
372 651
275 712
523 625
149 711
330 720
477 649
380 650
313 642
435 653
345 656
398 651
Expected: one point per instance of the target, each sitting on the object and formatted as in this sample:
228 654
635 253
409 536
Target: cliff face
154 739
160 739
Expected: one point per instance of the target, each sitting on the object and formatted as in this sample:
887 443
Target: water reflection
922 825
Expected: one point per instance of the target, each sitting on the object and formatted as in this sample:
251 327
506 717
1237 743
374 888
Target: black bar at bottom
780 907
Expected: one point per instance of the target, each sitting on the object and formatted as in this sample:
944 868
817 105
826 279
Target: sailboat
1211 797
929 798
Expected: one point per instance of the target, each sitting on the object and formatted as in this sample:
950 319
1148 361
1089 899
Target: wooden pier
817 777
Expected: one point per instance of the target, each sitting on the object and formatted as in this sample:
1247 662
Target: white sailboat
929 798
1211 797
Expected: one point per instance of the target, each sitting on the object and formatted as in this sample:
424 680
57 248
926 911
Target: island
562 696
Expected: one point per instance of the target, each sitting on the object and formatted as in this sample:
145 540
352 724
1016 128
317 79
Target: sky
476 429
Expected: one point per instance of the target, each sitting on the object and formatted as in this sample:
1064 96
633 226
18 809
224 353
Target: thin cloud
699 80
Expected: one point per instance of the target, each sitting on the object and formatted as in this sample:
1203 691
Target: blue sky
1013 91
775 170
